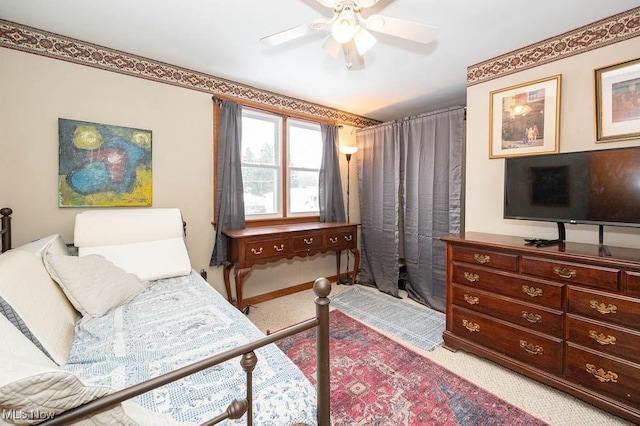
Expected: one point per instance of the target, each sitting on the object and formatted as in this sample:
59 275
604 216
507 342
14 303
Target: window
281 159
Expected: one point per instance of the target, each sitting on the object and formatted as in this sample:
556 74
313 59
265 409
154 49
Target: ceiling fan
350 31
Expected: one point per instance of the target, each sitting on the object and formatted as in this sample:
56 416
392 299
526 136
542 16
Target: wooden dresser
264 244
566 315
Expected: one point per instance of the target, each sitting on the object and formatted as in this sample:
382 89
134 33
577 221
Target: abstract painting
101 165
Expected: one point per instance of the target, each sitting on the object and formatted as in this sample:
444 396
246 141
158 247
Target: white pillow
150 260
34 297
92 283
51 244
146 242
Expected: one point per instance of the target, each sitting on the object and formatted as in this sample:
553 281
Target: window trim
249 223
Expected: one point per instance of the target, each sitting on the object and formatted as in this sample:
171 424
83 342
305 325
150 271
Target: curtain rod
413 117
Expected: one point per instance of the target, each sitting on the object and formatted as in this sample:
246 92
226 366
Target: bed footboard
235 410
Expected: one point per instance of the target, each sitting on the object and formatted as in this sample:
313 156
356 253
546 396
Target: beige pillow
92 283
38 301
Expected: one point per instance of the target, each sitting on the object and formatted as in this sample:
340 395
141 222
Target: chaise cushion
37 303
93 284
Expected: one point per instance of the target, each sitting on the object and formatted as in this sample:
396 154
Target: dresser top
568 249
294 227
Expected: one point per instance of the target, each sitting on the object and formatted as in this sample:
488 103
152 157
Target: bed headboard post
322 288
6 228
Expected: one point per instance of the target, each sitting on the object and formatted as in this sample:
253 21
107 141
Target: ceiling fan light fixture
332 47
363 40
344 26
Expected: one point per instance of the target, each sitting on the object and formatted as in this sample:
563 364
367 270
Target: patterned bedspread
178 321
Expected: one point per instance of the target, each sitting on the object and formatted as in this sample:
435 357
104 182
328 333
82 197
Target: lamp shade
348 150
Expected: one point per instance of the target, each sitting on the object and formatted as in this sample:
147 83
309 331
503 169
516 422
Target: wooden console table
266 244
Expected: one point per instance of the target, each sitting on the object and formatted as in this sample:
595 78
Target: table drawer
609 375
592 276
515 342
338 240
541 292
307 242
507 262
603 306
256 250
603 337
632 283
523 314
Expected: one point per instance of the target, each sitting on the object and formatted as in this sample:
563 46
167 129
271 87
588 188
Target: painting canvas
524 119
618 102
101 165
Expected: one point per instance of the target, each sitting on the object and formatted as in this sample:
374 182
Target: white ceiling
401 78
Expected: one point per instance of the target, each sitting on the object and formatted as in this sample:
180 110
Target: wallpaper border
613 29
32 40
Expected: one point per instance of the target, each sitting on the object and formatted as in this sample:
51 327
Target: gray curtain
330 183
433 147
378 181
229 190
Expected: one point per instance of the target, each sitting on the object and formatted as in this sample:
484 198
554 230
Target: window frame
285 115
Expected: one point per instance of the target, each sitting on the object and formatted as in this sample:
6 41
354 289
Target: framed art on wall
617 90
102 165
525 119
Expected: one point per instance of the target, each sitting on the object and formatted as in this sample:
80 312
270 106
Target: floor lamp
347 151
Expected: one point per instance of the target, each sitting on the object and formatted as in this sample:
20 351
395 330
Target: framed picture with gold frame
525 119
617 98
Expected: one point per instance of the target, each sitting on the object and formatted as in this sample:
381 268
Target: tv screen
595 187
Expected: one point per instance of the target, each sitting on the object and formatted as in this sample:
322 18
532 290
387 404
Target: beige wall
484 176
35 91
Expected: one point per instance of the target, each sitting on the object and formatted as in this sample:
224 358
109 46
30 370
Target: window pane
259 140
261 190
303 192
305 145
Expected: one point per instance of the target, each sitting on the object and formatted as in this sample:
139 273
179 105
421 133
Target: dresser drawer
603 337
541 292
632 283
265 249
528 347
492 259
608 375
338 240
592 276
603 306
524 314
307 242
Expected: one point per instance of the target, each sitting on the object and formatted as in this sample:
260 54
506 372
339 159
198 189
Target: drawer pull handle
532 291
531 317
472 278
531 348
256 252
308 241
472 300
348 237
482 258
602 308
279 248
600 374
471 326
601 338
333 240
565 272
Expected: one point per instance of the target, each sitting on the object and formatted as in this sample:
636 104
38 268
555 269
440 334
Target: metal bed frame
248 360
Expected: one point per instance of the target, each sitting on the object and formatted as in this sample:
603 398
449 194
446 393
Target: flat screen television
599 187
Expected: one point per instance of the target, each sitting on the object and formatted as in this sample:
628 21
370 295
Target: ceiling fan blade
409 30
352 58
295 32
366 3
329 3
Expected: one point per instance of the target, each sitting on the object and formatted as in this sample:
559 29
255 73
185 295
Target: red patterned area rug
376 381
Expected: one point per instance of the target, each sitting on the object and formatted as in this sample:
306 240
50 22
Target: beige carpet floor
544 402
